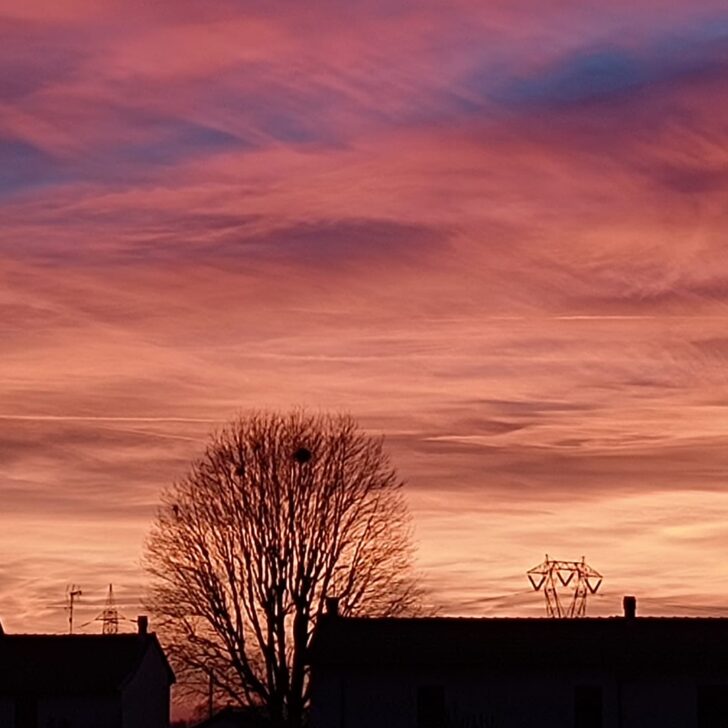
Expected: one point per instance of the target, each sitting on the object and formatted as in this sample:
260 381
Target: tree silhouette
281 512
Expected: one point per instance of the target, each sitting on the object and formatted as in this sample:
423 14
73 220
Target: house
230 717
617 672
84 681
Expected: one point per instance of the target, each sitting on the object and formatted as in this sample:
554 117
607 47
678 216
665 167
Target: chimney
630 607
142 625
332 606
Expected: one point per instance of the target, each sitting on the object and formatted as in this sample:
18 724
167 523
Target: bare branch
280 512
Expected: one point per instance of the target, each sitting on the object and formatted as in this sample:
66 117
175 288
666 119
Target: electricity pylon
554 577
110 614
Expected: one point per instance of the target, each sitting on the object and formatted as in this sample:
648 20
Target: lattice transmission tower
566 586
110 614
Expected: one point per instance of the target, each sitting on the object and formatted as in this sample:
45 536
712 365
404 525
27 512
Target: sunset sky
493 231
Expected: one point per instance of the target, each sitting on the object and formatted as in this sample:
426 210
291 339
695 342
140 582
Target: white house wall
388 699
145 697
79 712
7 711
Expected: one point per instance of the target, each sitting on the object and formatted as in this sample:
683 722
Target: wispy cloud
493 232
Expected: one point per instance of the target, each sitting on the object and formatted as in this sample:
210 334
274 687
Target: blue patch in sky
292 128
715 29
608 72
174 140
23 166
587 77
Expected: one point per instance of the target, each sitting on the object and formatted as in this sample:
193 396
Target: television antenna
558 578
72 592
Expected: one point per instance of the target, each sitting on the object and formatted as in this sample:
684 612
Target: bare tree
280 512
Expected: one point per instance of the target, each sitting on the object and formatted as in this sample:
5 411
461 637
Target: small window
713 706
588 706
431 706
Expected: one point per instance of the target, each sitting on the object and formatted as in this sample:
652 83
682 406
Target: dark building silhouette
617 672
84 681
236 718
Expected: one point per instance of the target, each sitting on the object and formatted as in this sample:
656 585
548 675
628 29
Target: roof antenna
72 592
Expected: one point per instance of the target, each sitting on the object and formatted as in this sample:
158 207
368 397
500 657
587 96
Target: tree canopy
279 513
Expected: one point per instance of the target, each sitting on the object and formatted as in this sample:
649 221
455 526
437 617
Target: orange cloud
494 233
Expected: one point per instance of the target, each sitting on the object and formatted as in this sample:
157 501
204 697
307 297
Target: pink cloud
495 233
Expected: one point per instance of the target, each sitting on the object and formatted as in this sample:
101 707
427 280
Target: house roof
517 643
72 663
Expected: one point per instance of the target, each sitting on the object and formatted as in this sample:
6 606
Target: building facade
84 681
621 672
